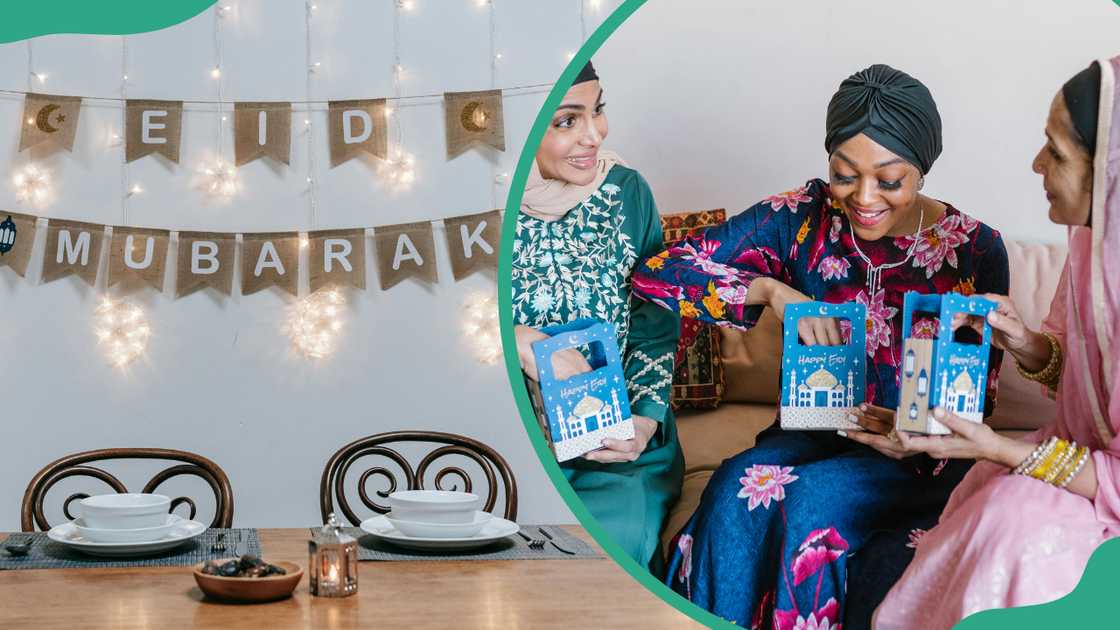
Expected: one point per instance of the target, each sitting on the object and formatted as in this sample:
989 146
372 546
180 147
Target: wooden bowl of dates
247 579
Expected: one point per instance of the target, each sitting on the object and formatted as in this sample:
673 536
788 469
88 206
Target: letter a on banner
270 260
405 251
358 127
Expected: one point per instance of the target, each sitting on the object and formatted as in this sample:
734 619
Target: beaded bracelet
1082 459
1036 454
1061 465
1039 470
1050 374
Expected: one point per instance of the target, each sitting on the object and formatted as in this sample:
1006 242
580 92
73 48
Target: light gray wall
219 377
720 103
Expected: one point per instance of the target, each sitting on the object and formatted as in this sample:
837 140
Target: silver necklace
875 272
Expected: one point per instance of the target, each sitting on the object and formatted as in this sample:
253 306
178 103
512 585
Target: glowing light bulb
315 323
480 325
122 330
33 185
216 72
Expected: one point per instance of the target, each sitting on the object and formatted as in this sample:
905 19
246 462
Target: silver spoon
18 547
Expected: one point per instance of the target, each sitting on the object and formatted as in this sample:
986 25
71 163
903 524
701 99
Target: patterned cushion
698 376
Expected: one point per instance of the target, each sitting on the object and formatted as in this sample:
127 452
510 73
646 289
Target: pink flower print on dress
761 259
821 547
939 244
763 483
789 199
915 537
834 232
702 258
735 294
925 328
823 619
878 320
684 543
833 268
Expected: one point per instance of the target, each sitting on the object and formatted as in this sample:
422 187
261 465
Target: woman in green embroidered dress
586 220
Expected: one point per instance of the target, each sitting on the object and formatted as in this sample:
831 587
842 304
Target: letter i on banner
262 129
270 260
337 257
140 254
405 251
205 260
153 127
472 242
357 127
17 235
72 248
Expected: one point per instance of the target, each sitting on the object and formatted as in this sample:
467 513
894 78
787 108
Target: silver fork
219 544
536 544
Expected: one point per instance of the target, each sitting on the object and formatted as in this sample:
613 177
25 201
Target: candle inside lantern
334 561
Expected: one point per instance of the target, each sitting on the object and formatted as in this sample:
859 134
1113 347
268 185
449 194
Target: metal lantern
333 561
7 235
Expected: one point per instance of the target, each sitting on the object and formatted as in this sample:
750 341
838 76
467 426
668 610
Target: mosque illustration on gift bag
588 416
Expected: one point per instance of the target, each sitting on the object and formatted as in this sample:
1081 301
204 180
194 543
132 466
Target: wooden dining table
562 593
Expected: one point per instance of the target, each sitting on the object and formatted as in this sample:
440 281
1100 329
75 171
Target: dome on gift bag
589 406
823 379
963 383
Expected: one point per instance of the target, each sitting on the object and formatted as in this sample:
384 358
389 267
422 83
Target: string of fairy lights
315 322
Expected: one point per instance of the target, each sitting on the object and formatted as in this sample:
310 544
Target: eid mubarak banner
146 258
264 129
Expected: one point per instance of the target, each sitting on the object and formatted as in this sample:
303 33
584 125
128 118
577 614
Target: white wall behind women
219 377
720 103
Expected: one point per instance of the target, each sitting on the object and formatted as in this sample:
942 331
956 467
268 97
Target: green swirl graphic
26 19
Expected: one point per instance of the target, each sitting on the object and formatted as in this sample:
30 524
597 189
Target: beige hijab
550 199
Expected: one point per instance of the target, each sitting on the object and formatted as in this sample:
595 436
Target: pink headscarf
1089 299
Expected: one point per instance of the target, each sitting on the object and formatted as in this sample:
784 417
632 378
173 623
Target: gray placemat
47 554
510 548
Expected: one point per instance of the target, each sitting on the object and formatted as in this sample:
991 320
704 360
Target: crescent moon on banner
473 117
42 120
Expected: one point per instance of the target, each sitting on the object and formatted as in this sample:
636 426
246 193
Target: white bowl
125 511
440 530
144 534
434 506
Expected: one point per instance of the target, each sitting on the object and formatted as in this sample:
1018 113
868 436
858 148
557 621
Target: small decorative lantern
333 561
7 235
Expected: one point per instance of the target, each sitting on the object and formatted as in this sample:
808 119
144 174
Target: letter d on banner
357 127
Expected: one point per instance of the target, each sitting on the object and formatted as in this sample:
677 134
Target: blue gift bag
820 384
941 372
577 413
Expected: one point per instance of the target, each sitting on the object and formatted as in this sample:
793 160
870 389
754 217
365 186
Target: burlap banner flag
51 121
270 259
140 254
17 235
472 242
338 257
405 251
473 117
153 127
72 248
205 260
262 129
357 127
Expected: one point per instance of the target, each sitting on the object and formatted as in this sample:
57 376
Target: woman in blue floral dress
809 529
585 222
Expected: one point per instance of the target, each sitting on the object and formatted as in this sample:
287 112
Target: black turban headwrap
587 73
892 108
1083 95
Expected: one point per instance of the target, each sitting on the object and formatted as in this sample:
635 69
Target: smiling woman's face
1066 168
876 189
569 150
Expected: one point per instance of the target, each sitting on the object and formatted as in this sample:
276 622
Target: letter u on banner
338 257
405 251
357 127
205 260
153 127
270 259
72 248
472 242
140 254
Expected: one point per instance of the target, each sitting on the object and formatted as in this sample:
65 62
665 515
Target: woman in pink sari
1022 524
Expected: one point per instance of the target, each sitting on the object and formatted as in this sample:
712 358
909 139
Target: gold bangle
1052 372
1035 455
1082 459
1039 470
1061 465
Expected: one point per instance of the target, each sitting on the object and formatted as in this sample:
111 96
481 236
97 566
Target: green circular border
1088 602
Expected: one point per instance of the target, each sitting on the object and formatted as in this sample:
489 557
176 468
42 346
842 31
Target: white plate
146 534
67 534
421 529
496 529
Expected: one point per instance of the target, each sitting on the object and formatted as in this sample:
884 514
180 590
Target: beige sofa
751 372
